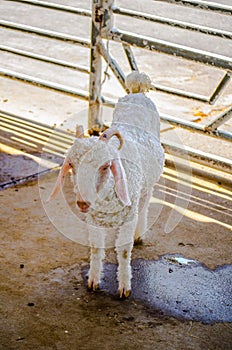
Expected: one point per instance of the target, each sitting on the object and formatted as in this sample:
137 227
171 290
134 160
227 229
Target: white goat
113 178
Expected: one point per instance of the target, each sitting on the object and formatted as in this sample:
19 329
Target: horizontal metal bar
173 22
159 87
58 7
222 134
224 81
179 92
44 59
46 33
44 83
108 102
184 124
202 4
111 103
170 48
219 120
131 13
199 128
198 156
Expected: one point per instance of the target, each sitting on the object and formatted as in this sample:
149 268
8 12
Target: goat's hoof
93 286
96 287
138 241
124 293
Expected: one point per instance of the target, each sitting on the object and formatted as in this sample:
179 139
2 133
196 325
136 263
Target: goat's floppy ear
60 180
121 187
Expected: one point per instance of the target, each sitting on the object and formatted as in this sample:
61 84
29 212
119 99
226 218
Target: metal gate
102 32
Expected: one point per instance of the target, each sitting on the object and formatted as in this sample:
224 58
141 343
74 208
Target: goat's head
92 161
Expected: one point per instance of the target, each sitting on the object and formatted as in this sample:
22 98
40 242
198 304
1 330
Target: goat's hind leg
97 243
124 245
141 227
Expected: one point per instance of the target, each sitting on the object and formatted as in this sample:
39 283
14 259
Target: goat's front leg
97 241
124 245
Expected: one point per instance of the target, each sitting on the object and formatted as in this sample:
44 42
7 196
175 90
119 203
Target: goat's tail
137 82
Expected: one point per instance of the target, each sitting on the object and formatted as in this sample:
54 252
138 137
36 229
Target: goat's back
138 110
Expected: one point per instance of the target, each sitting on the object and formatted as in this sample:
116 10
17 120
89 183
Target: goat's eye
105 167
104 136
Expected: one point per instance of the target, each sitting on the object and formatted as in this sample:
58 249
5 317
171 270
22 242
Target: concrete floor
44 301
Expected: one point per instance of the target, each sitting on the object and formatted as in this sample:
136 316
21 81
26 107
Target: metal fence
102 15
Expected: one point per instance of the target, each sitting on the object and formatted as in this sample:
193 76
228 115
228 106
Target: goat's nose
83 206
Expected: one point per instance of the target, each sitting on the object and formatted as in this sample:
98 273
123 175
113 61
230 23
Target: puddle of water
179 287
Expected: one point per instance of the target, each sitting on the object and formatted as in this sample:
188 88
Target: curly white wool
141 157
138 82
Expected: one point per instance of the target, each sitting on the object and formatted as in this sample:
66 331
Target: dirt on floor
44 300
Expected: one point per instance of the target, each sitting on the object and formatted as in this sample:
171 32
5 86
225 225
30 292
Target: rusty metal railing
102 14
102 27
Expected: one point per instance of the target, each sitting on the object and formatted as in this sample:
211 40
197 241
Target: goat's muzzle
83 206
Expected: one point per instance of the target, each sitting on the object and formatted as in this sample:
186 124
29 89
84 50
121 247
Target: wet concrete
178 287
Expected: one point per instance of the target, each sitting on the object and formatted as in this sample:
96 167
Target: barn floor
44 300
176 304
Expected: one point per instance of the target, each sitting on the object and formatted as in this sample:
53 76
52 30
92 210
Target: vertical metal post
95 66
101 23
